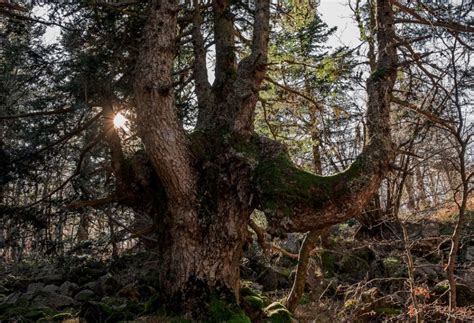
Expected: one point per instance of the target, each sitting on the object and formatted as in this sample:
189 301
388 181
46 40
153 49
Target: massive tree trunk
213 178
208 201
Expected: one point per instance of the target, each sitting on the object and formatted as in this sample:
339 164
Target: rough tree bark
216 176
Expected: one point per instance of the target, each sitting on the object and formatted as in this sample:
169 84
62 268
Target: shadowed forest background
224 161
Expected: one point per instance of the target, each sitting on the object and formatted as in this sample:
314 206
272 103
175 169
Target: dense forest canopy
197 132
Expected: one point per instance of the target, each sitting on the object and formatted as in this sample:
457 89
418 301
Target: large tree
217 175
200 187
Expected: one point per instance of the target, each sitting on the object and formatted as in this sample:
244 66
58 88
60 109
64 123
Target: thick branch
224 41
251 72
203 88
158 124
295 200
267 245
432 117
316 104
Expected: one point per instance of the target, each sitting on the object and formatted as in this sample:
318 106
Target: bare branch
449 25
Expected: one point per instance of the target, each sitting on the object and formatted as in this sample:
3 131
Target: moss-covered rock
84 295
68 288
98 312
255 302
220 311
252 301
84 270
247 289
51 300
277 313
394 267
370 302
107 285
63 316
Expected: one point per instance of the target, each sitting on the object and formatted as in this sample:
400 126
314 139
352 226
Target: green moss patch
277 313
220 311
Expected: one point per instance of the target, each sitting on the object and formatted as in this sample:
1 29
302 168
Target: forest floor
350 280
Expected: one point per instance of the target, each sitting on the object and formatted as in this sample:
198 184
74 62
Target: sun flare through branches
120 122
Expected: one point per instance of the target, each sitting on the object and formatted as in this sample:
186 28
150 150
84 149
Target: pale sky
337 13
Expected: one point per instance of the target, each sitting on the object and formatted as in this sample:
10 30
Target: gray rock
292 243
12 298
53 300
34 287
52 288
51 278
107 285
90 285
84 295
464 294
470 253
394 267
68 288
415 230
425 270
431 229
273 279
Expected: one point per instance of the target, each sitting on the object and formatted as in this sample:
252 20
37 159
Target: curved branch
266 245
297 201
317 104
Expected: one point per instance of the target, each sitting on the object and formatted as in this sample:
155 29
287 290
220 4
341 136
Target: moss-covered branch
296 200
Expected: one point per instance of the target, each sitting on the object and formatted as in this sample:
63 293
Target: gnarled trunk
209 182
193 270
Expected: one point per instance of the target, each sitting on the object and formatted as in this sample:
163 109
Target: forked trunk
213 178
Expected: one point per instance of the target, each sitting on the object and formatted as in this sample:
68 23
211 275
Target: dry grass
448 212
